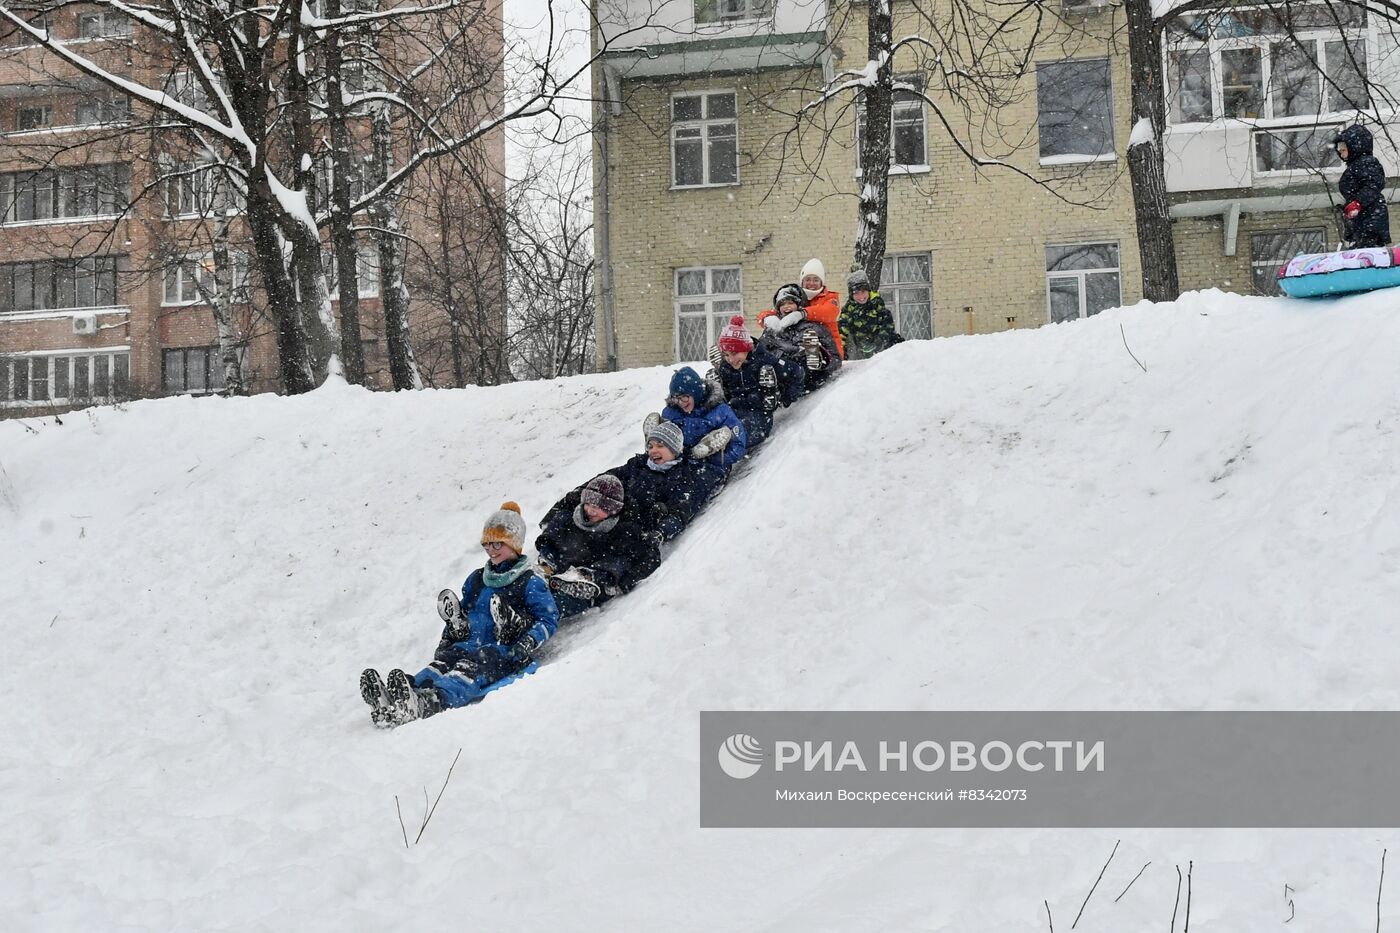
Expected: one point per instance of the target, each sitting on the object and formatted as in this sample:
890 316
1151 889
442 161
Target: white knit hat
813 267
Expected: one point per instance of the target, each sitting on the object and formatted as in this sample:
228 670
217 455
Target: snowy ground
189 588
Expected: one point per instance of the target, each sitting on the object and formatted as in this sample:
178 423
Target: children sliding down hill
712 430
788 334
509 613
755 381
594 545
667 488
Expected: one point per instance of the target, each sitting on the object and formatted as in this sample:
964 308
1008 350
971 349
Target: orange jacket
825 309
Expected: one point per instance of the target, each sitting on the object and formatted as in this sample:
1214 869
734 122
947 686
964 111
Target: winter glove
649 422
812 351
1352 210
522 649
715 356
712 443
509 623
780 324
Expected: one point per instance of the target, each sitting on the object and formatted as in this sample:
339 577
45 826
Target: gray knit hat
605 492
670 434
505 525
857 280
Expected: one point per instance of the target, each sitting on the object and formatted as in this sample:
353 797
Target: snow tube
1320 275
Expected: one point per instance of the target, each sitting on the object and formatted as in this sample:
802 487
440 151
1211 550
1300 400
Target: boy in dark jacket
754 380
490 636
1366 220
663 485
712 430
867 327
593 546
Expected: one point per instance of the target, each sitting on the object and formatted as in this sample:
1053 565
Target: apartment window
33 118
705 301
908 134
1291 150
102 110
195 190
731 11
192 370
325 178
704 140
37 286
1074 102
65 377
906 284
1269 251
1081 279
103 24
55 194
1256 63
188 280
366 270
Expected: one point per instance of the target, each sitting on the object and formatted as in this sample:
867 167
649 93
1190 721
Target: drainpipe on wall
604 220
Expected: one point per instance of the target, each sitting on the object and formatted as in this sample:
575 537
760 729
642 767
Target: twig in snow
1292 908
1124 335
1379 888
401 826
1176 903
1186 927
53 620
1049 917
1131 883
429 814
1096 885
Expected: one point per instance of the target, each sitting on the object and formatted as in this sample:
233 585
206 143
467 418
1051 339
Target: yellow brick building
711 195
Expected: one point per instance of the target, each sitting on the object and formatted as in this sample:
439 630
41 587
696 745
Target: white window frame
199 190
909 84
1366 35
889 286
712 325
1081 158
112 25
366 258
1272 264
51 360
197 262
84 181
752 11
1080 274
704 125
111 111
45 123
214 364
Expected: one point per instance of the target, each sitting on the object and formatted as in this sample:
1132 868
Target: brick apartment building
104 243
696 221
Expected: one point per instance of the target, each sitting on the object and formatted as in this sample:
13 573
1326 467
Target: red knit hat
734 338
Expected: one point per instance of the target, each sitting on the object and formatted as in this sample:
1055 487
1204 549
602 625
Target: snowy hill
189 588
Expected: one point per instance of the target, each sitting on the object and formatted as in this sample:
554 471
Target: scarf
583 524
663 467
498 578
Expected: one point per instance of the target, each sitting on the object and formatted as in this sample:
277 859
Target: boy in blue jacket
712 431
490 636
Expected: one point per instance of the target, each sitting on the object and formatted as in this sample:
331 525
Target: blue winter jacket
529 598
713 413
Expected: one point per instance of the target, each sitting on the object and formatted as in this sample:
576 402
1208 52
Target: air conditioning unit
1085 7
85 324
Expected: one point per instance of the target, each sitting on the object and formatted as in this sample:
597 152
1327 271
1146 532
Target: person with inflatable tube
755 381
1365 217
788 334
489 638
594 545
712 430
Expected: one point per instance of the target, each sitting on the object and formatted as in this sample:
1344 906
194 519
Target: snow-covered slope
188 590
